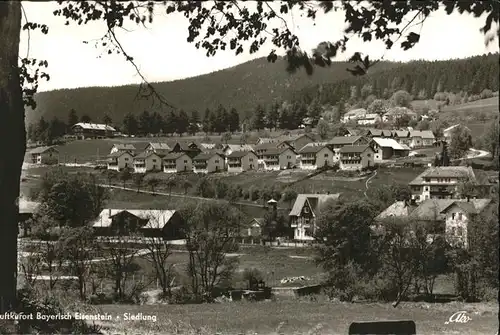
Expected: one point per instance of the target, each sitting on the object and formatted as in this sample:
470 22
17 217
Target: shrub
30 303
486 93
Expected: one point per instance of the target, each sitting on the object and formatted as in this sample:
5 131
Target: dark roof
266 146
124 146
146 154
401 133
239 154
379 132
473 206
117 154
159 146
354 148
173 155
319 199
41 150
445 172
312 149
344 139
276 151
205 156
184 146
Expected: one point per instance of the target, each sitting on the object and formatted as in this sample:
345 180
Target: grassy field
273 263
293 317
322 183
486 105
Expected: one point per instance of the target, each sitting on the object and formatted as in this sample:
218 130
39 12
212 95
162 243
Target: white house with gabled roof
147 161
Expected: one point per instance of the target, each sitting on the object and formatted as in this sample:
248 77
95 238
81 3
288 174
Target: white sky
163 54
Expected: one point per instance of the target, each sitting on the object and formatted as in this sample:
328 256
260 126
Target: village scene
263 197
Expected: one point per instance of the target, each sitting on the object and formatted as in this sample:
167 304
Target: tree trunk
13 142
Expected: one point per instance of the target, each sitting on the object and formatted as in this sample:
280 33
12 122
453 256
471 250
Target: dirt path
368 181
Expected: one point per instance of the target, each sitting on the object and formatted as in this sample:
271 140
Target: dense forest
262 94
422 79
240 87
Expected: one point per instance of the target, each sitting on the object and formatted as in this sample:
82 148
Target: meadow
473 114
299 317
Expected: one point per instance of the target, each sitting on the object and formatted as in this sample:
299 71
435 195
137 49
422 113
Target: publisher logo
459 317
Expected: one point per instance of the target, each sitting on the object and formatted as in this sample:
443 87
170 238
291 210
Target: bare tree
31 268
398 255
49 253
153 182
211 232
138 180
159 250
79 248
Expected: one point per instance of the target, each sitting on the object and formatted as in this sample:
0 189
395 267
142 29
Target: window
216 161
460 231
326 155
368 155
126 159
453 216
185 161
306 209
288 157
426 188
154 160
460 216
251 159
453 231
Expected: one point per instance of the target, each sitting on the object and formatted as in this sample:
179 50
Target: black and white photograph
249 167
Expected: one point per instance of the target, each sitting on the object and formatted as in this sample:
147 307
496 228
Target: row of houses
348 152
413 139
302 152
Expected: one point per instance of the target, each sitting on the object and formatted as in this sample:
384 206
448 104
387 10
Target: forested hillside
255 85
422 79
241 87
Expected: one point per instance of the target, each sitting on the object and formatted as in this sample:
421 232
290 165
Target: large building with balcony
241 161
120 160
315 156
356 157
442 182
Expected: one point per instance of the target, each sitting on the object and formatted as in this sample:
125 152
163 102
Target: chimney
327 192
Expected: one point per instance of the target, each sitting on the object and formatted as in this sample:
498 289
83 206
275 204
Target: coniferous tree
130 125
193 122
314 111
85 119
56 128
258 121
145 123
221 120
72 117
41 130
207 125
273 115
106 119
182 122
234 120
157 123
170 125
